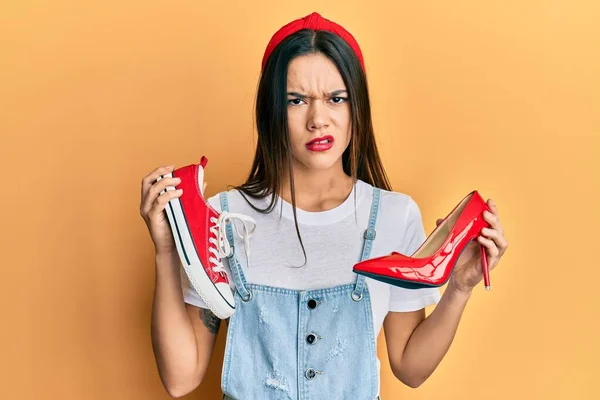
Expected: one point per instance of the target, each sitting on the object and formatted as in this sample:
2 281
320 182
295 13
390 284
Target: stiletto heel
432 263
484 265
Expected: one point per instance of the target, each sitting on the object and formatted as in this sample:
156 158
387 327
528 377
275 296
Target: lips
320 144
323 139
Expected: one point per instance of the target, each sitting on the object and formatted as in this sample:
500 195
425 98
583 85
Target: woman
305 325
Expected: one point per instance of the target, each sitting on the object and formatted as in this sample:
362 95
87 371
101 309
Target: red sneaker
200 238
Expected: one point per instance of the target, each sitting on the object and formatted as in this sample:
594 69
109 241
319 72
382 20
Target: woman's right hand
152 205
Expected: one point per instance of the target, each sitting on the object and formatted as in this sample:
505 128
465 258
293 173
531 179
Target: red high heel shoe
433 262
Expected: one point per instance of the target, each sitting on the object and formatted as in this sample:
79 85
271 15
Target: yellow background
503 97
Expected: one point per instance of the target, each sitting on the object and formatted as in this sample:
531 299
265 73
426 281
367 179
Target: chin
321 161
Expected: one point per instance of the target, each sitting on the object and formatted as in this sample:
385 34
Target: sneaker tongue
201 180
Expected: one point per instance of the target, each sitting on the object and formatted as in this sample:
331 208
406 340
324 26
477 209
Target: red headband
316 22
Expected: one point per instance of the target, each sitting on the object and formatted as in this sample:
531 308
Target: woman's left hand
468 271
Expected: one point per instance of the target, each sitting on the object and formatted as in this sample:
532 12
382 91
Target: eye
338 100
295 102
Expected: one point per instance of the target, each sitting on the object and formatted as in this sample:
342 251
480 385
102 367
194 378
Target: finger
494 210
439 221
492 205
151 178
489 244
502 244
490 233
157 189
493 220
159 205
496 236
204 187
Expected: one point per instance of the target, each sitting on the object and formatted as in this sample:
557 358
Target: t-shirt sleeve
190 295
402 299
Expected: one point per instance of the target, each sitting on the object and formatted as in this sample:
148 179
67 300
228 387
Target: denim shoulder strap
369 235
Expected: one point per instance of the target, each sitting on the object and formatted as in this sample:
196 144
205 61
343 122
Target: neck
320 190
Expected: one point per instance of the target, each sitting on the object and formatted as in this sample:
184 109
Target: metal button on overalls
310 373
312 338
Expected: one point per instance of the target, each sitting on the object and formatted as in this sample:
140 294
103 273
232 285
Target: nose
318 116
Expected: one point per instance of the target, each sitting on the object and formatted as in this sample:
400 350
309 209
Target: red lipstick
320 144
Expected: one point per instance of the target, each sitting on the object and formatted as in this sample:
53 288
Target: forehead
314 72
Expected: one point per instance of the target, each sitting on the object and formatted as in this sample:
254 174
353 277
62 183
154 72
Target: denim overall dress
301 344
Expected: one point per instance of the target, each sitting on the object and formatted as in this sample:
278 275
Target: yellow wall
503 97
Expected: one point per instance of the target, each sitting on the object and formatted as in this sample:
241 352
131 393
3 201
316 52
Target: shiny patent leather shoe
433 262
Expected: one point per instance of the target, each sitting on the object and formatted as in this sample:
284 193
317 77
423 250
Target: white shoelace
222 248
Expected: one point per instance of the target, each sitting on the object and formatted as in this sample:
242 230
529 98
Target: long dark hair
273 150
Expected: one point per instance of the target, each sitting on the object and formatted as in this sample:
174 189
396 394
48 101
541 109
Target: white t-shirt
333 240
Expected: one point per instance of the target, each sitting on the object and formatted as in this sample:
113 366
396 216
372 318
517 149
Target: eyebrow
332 94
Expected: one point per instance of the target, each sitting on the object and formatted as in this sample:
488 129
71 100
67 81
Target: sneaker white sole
199 279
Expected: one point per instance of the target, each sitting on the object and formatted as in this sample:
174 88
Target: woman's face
318 108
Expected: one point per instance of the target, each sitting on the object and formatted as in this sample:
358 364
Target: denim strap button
311 373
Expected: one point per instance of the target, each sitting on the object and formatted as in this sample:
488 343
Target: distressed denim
301 344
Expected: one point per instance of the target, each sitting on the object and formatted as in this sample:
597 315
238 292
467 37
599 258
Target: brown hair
273 150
